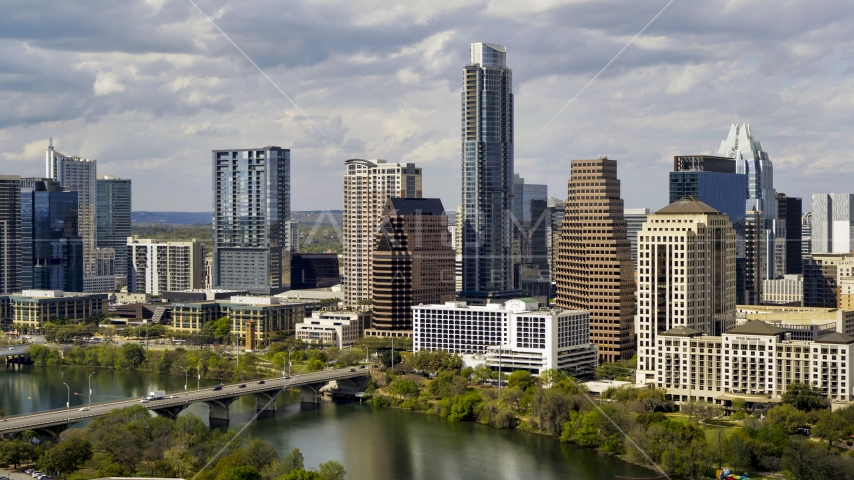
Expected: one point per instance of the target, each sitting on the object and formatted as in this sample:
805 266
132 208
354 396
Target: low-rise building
792 319
755 361
334 327
33 308
517 335
254 320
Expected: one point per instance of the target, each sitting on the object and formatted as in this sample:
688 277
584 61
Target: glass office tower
487 171
51 248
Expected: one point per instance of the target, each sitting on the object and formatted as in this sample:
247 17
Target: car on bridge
217 387
84 409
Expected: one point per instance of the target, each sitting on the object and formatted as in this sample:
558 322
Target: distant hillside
172 218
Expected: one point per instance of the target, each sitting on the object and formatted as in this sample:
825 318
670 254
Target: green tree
294 461
831 427
521 379
66 456
130 356
805 397
314 366
464 407
16 452
788 416
481 374
302 475
405 388
332 470
240 473
386 358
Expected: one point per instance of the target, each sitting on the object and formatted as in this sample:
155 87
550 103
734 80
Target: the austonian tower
487 171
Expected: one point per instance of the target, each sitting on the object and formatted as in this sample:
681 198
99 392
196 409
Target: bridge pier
310 393
219 409
51 433
265 401
173 411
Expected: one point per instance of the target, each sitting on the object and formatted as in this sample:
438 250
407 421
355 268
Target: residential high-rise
487 171
367 186
752 161
789 211
155 266
594 270
634 223
686 277
832 223
412 264
252 205
78 175
754 246
51 249
113 221
10 233
714 181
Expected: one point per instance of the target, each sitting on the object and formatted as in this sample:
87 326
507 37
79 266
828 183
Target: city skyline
402 93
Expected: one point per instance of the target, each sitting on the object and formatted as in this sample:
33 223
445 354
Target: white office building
155 266
788 290
832 223
339 328
517 335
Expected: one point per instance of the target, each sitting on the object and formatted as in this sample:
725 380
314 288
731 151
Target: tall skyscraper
252 205
51 249
10 233
113 209
755 254
634 222
806 234
413 263
714 181
531 219
78 175
368 184
789 211
752 161
686 277
594 270
487 170
833 223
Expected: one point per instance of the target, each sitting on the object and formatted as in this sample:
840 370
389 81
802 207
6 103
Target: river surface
370 443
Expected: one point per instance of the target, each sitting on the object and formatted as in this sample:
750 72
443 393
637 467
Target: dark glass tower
113 218
51 248
10 233
487 171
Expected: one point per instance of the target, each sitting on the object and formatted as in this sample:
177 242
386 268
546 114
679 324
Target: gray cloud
149 88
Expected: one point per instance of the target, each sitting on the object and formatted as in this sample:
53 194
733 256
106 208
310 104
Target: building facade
754 162
412 263
594 271
791 317
755 362
806 234
10 233
113 223
832 223
686 276
314 270
156 266
33 308
634 223
789 212
788 290
367 186
487 170
51 249
78 175
252 207
339 328
821 277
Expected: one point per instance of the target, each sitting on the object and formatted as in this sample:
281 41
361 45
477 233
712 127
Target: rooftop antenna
50 143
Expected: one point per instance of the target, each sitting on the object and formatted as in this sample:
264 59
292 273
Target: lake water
370 443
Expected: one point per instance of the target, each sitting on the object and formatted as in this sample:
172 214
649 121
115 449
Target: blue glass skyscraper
51 248
487 171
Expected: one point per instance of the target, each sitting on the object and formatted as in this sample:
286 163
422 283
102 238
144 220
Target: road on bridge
66 417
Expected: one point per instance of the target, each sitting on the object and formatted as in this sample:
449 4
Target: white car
144 400
84 409
172 396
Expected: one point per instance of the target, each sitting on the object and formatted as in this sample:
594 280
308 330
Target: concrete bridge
50 424
15 354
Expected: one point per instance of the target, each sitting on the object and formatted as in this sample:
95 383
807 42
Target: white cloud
106 83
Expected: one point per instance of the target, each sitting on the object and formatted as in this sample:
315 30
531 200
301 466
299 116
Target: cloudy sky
149 87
